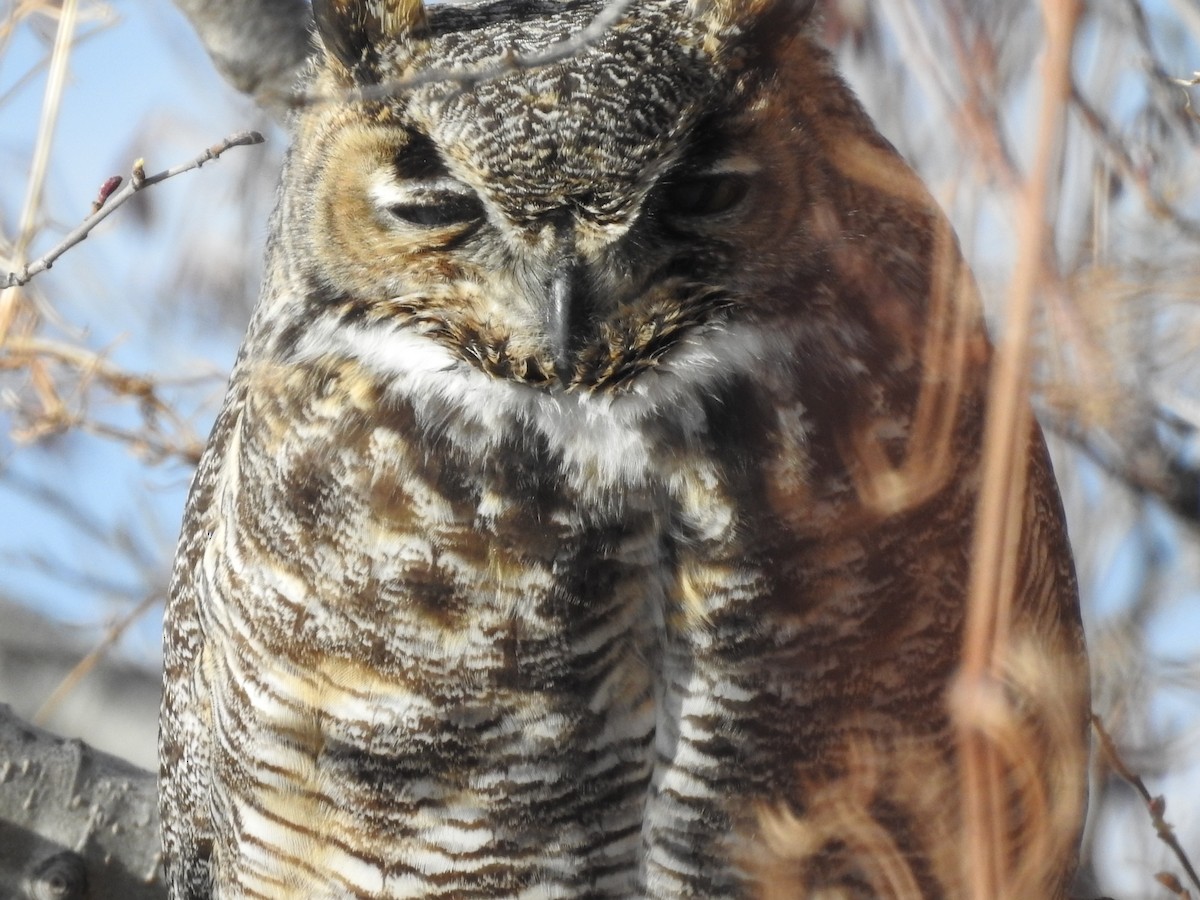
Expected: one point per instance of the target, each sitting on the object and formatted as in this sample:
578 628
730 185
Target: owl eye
439 211
706 195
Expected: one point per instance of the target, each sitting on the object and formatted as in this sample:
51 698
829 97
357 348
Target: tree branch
110 199
74 822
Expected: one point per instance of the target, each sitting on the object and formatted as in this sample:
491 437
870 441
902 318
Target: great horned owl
590 511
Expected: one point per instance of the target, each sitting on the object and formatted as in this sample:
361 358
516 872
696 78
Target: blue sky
141 86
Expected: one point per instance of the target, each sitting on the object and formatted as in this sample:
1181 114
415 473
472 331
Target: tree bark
74 822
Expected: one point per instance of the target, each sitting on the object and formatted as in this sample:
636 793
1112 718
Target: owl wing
185 722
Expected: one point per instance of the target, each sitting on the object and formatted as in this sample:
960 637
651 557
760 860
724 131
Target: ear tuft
353 31
754 21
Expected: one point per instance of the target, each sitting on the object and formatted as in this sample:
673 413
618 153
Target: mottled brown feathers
590 512
354 31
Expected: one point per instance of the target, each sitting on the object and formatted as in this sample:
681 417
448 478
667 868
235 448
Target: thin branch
85 665
1156 806
34 70
87 361
1119 155
223 27
1187 84
145 444
979 115
95 367
1159 76
1151 469
138 182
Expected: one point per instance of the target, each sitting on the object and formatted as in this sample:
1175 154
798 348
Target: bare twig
1159 76
1120 158
81 38
1187 84
979 114
31 353
1150 469
1156 806
223 26
138 182
19 350
85 665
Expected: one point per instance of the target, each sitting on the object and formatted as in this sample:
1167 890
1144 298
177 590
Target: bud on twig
106 189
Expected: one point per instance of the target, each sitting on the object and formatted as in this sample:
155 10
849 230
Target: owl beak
566 313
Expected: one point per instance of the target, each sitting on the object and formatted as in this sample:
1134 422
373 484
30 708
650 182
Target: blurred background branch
259 47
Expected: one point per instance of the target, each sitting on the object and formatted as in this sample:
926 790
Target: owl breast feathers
590 511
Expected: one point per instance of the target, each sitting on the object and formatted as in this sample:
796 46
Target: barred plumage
594 486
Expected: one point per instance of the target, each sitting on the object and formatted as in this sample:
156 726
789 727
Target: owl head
567 195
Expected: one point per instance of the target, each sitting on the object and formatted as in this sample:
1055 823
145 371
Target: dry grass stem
88 663
9 297
998 521
840 813
1030 718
